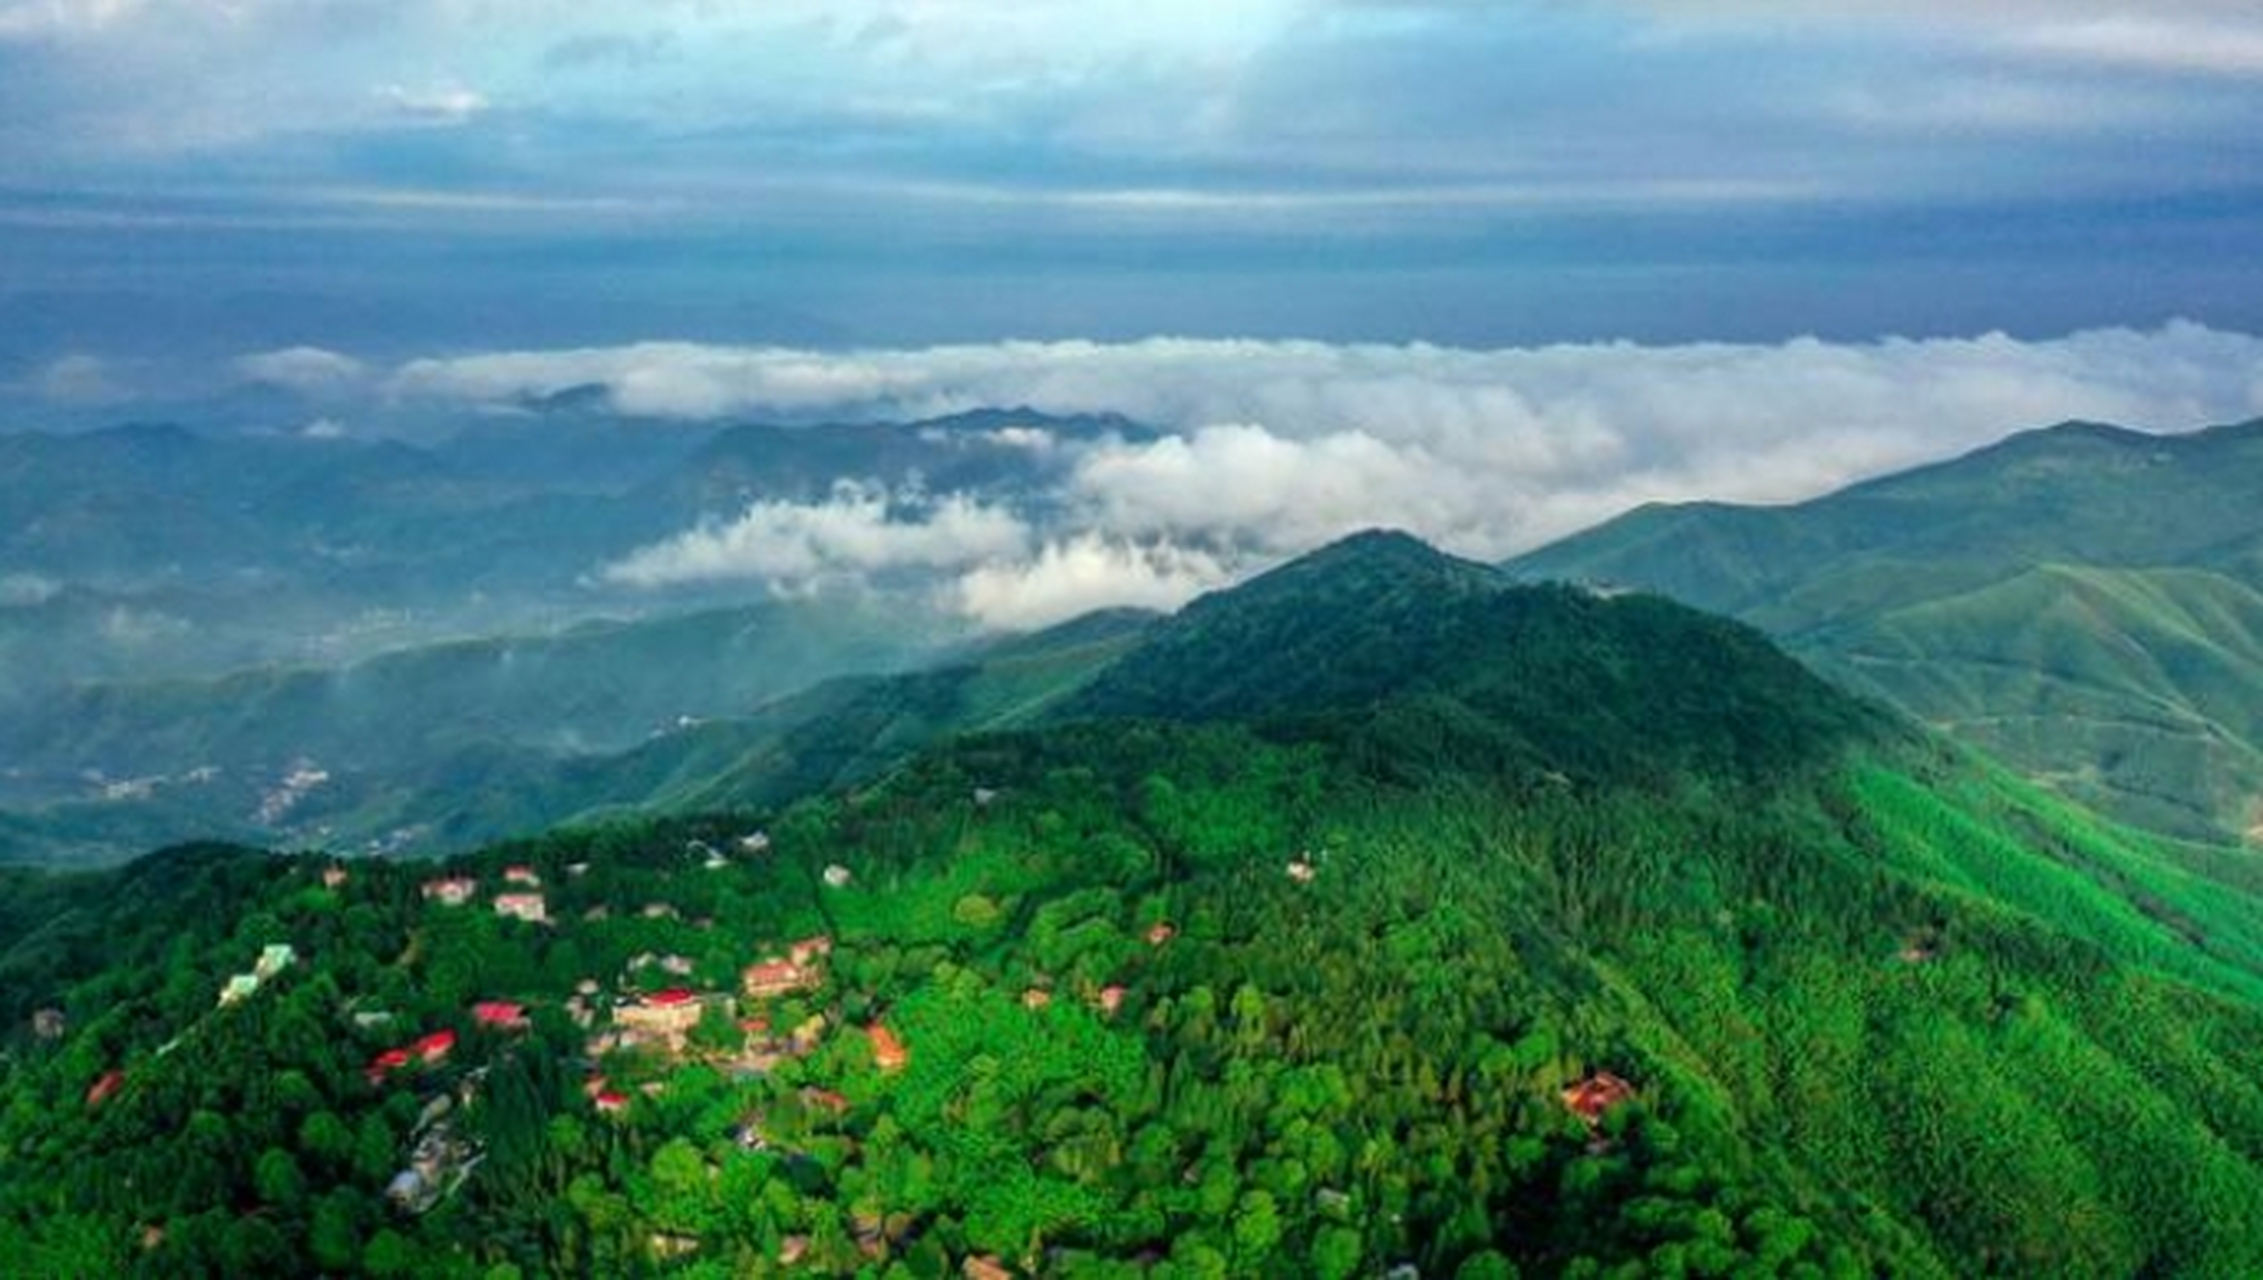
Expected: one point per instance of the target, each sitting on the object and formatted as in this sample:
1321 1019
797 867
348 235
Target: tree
277 1180
1335 1253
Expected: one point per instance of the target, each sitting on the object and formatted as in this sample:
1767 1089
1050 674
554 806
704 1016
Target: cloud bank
1273 446
859 531
1269 449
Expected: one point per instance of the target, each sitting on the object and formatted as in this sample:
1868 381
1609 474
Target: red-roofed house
454 891
436 1046
522 875
1590 1098
612 1102
809 950
505 1015
385 1064
108 1083
1111 999
1161 932
888 1051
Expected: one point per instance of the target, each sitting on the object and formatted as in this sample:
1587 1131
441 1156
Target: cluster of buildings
522 901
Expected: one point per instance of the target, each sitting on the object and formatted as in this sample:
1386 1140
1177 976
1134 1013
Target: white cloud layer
306 370
1079 574
1275 446
859 530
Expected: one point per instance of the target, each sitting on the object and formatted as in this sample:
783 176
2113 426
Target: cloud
2219 45
449 104
1079 574
80 379
27 590
860 530
1274 446
306 370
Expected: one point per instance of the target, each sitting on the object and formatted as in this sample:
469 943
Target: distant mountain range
189 620
153 551
2084 602
1378 912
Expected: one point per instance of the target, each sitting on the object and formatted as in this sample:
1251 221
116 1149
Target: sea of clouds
1269 448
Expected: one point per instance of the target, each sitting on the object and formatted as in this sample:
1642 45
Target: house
239 988
986 1267
273 959
668 1015
49 1024
435 1047
503 1015
529 907
1160 932
522 875
1111 999
755 842
811 949
411 1192
836 1103
792 1250
659 911
385 1064
334 877
888 1051
838 876
611 1102
454 891
104 1086
1302 871
1589 1099
769 979
1036 998
577 869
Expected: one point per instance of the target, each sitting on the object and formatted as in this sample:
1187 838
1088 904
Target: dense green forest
1529 933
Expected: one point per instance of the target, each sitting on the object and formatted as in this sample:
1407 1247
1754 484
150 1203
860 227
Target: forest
1560 936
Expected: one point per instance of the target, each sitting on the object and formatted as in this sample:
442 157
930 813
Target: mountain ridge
1929 563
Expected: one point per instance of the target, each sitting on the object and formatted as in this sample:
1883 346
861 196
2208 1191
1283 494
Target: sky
198 178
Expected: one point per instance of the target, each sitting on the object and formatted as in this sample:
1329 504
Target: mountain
1557 933
155 551
2084 602
386 750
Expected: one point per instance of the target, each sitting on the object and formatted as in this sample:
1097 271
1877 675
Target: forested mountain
1549 933
2084 602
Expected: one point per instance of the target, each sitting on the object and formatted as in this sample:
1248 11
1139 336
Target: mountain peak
1441 655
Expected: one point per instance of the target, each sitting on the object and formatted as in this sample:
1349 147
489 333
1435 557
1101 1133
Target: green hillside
2084 601
1220 964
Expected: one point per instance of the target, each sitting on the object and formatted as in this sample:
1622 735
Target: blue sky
197 178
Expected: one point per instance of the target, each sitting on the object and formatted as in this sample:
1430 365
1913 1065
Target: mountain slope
2084 601
1182 981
